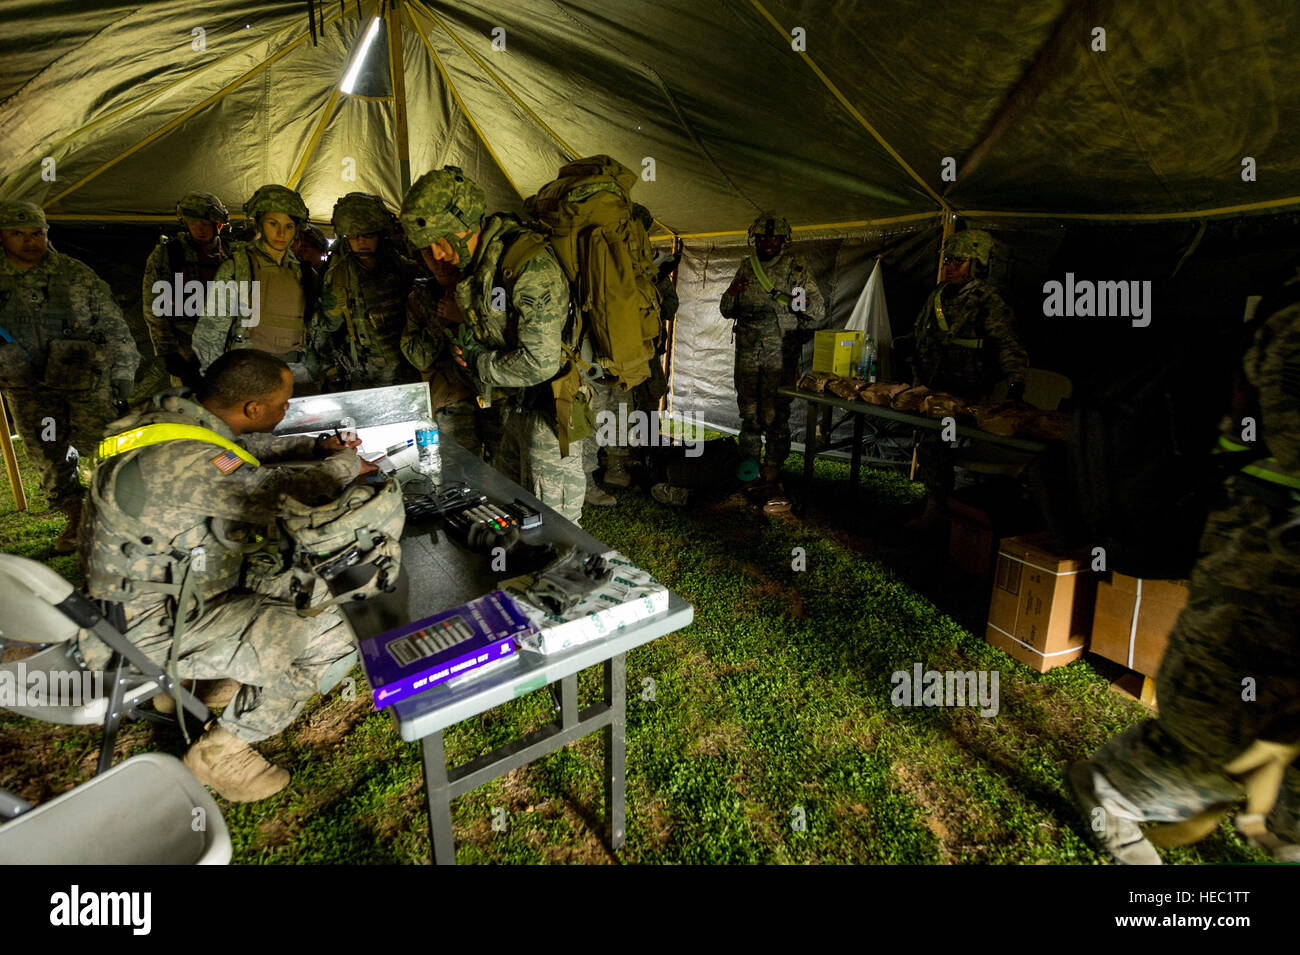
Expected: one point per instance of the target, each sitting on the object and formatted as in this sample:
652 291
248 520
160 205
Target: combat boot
233 768
67 542
672 496
1120 839
770 473
617 474
211 693
599 497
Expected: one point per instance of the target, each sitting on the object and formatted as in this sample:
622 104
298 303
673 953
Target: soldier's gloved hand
1016 391
465 347
122 388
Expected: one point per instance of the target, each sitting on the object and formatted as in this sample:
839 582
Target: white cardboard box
631 596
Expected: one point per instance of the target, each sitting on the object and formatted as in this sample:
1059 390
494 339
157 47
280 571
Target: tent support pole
397 71
11 461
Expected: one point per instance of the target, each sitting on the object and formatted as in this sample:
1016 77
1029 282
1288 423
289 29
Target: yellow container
836 352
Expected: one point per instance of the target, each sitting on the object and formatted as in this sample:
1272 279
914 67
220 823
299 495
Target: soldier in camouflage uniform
1230 676
311 248
67 356
195 253
965 342
288 290
772 299
512 353
173 522
363 301
432 313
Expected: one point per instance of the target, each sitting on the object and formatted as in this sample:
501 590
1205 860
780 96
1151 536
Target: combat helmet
274 198
201 205
767 224
360 213
974 244
16 214
440 204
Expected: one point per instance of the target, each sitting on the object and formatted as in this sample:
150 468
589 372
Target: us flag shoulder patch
227 461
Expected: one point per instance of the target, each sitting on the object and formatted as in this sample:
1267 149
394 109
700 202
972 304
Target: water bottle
347 428
427 440
867 363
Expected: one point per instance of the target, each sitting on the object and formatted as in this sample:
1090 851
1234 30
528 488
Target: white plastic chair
37 606
147 810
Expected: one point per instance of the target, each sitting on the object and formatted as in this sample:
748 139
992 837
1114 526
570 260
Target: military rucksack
586 214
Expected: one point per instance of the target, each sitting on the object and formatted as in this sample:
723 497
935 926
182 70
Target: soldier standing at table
772 299
513 352
363 301
66 359
964 343
195 254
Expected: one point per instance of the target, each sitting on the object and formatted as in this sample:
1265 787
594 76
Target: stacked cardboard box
837 352
1041 608
1133 619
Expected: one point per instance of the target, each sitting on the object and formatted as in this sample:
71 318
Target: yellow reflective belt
943 327
1259 469
764 282
142 437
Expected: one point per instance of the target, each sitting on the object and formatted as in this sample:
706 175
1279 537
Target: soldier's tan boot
211 693
617 474
67 542
233 768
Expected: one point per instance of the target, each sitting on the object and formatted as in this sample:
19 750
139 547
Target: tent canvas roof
134 110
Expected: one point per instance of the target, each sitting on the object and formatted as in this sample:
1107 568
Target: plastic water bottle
347 428
428 441
867 369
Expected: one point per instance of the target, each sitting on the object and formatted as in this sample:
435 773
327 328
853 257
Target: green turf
771 709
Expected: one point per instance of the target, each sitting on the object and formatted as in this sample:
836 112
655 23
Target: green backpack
605 252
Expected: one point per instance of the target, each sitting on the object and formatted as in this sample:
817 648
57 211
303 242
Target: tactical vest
285 303
376 309
37 313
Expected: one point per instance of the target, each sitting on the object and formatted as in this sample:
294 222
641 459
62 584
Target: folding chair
147 810
37 606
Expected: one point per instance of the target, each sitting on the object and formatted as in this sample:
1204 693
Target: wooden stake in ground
11 462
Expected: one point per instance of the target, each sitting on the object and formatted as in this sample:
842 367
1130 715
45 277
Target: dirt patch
327 727
717 740
939 817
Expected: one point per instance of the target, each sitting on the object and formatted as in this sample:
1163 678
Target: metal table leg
809 442
616 751
438 787
855 460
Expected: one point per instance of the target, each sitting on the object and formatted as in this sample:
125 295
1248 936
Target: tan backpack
586 214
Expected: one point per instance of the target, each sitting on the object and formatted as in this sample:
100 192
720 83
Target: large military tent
1154 141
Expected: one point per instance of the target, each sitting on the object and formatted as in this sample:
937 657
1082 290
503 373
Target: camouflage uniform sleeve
999 326
423 342
541 301
119 344
333 298
160 327
278 447
1273 367
247 493
727 305
212 330
814 313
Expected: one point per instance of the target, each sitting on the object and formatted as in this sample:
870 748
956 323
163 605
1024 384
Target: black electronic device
525 514
487 515
448 500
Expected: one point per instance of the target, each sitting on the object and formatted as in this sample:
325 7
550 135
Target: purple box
420 655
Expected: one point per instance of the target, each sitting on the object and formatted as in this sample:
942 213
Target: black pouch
72 365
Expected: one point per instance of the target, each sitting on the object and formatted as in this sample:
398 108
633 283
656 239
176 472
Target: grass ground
773 707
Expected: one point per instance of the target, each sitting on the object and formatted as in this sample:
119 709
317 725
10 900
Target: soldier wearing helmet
195 253
286 290
66 356
965 342
772 299
511 305
363 300
311 247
